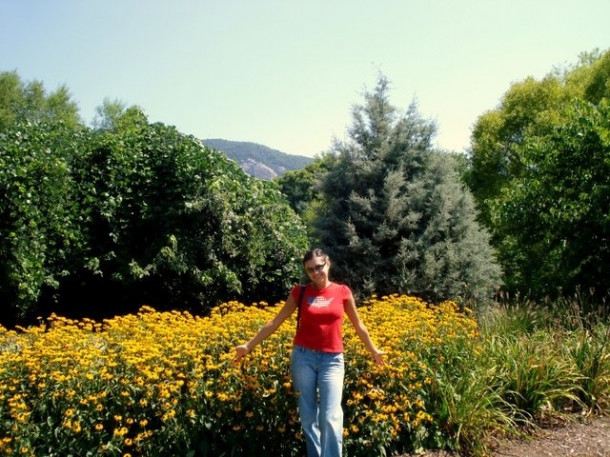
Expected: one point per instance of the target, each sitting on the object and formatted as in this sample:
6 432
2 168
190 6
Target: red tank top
321 317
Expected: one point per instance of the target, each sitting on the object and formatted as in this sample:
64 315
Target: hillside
258 160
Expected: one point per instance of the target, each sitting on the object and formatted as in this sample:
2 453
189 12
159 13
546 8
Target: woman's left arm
361 330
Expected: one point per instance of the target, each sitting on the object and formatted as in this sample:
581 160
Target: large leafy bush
100 222
40 221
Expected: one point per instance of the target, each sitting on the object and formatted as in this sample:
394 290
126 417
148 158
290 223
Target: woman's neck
321 284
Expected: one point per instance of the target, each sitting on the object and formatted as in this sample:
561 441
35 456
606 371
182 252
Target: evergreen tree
395 216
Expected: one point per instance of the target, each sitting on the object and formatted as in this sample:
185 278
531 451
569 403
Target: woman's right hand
240 352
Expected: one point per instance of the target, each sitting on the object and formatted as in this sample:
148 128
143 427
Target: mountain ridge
258 160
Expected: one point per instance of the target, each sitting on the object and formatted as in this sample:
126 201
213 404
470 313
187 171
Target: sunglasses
316 268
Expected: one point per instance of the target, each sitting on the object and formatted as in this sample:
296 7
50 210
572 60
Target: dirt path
591 439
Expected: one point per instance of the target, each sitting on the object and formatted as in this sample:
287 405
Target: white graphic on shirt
320 302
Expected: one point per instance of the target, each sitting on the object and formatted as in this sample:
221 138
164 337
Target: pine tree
396 217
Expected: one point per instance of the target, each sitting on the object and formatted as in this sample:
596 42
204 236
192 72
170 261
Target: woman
316 362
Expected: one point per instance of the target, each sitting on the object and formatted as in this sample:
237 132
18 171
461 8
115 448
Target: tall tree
552 222
108 114
535 172
395 217
29 102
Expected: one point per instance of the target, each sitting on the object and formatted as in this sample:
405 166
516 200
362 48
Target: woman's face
317 269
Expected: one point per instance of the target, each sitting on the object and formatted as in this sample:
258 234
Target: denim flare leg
317 378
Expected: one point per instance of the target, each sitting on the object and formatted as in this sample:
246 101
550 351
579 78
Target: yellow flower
120 431
76 427
170 365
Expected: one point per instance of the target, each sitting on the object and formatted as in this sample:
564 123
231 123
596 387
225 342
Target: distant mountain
258 160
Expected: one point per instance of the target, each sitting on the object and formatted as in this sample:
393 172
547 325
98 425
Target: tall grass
532 375
467 406
552 354
536 363
590 352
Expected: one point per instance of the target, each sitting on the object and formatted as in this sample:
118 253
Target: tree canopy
539 171
30 102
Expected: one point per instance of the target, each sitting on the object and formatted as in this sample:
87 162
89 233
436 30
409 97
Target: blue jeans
317 378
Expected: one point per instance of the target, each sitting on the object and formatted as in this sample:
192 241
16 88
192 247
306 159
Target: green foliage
22 103
522 318
40 225
582 331
135 213
393 214
109 114
302 190
556 212
182 226
539 171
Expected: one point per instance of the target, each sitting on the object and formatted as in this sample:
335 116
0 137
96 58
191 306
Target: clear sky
286 73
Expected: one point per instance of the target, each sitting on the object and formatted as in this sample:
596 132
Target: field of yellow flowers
163 383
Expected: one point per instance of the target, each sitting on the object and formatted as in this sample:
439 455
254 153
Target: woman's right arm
244 349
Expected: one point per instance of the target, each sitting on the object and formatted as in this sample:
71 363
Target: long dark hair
315 252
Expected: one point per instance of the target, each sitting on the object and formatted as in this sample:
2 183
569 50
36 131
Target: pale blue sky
287 73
